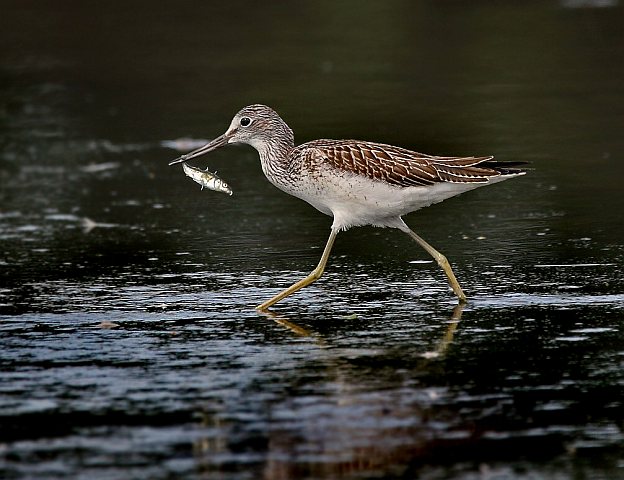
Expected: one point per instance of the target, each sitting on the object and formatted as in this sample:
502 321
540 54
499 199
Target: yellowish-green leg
314 275
443 262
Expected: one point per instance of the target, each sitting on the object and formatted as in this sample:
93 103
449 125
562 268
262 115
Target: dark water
129 344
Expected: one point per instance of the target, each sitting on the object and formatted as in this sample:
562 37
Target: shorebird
356 182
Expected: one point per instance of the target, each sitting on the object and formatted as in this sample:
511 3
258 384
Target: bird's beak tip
177 160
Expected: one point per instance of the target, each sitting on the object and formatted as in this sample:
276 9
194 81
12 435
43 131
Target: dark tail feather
505 168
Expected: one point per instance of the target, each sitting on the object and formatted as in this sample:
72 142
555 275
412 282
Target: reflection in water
374 433
282 320
447 340
441 349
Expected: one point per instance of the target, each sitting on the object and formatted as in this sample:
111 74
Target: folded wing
401 167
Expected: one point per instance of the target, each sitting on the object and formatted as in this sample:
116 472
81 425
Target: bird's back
401 167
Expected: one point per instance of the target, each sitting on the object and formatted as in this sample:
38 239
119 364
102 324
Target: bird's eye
245 121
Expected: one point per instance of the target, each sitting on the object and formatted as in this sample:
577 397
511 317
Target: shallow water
130 347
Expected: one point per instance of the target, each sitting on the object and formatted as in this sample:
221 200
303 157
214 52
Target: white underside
355 201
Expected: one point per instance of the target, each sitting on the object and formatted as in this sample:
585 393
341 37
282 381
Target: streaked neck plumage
274 151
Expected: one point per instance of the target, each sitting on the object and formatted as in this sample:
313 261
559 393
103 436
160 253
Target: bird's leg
304 282
443 262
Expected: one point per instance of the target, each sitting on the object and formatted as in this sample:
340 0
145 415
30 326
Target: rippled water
129 343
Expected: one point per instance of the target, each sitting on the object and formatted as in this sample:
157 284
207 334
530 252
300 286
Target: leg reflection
284 322
447 339
440 350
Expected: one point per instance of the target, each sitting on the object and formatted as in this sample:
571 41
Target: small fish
206 179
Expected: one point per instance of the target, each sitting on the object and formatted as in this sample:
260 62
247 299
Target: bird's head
256 125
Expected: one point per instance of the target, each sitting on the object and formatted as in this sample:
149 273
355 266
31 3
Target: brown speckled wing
402 167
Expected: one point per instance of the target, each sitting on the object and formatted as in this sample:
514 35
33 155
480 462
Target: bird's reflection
440 350
447 338
285 322
355 432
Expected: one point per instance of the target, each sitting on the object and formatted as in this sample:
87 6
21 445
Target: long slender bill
209 147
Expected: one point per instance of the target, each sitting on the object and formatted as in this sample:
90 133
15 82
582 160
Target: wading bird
356 182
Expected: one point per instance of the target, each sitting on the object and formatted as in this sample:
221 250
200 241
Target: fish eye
245 121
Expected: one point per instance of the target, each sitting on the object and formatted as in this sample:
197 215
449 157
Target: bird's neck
275 152
278 146
275 156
